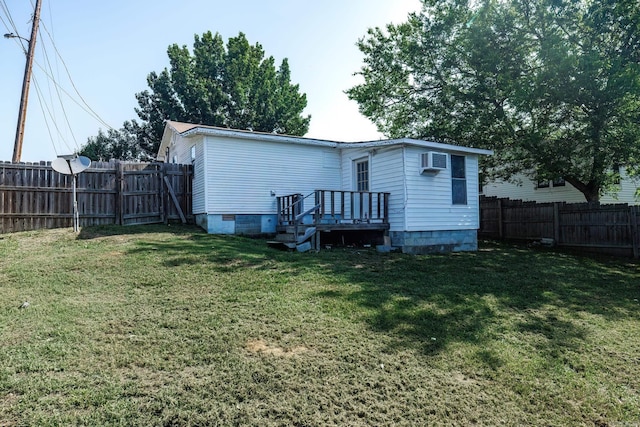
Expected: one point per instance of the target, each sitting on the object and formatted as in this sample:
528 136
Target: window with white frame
458 180
362 175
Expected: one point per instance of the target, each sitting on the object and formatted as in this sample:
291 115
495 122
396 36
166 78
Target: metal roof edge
258 136
417 143
188 130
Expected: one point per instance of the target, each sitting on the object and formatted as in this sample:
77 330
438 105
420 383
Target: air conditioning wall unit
432 162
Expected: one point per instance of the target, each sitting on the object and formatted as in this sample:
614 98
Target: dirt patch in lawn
261 347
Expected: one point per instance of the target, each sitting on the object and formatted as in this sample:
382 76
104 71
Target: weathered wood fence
612 229
34 196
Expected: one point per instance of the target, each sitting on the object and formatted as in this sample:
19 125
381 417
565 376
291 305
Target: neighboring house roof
188 130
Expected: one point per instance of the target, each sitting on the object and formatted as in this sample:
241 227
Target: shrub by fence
612 229
34 196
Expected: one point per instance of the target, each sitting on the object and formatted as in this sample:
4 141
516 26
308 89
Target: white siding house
526 189
238 176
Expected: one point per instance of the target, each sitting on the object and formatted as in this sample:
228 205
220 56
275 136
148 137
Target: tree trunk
592 197
590 190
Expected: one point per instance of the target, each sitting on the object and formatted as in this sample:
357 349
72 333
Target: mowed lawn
166 325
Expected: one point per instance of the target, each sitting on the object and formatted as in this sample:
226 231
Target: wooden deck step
285 237
303 235
301 228
281 245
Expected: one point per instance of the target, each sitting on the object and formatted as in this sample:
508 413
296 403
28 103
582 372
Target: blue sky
110 47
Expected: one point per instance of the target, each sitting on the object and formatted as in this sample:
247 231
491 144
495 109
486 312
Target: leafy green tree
115 144
234 86
552 86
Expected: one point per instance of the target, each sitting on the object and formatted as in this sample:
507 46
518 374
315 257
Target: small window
558 182
362 175
175 159
542 183
193 153
458 180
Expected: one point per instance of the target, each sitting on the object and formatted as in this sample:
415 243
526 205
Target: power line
44 115
14 29
5 24
6 11
64 64
71 96
57 74
48 111
22 113
43 105
64 111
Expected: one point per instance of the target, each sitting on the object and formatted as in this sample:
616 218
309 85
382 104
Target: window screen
458 180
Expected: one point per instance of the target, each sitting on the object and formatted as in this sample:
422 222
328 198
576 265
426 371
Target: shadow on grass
97 231
430 302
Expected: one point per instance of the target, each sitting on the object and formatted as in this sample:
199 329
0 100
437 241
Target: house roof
190 130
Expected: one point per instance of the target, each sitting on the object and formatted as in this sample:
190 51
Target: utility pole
22 114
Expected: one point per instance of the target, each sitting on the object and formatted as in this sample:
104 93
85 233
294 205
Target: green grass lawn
167 325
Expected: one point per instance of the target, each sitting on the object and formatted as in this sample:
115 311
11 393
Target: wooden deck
330 210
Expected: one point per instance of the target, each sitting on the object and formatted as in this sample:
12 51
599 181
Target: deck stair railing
291 211
291 208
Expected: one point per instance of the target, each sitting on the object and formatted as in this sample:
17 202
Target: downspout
205 175
477 191
341 167
405 196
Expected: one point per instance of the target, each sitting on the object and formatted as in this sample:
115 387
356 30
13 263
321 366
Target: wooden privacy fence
612 229
34 196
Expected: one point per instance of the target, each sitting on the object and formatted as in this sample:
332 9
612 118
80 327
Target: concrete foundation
427 242
411 242
244 225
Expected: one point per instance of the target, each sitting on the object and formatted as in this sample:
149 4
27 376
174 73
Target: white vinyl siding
181 150
525 189
429 197
385 176
241 174
417 202
237 176
199 190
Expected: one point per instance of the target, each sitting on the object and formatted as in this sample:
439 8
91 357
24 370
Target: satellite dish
68 165
72 165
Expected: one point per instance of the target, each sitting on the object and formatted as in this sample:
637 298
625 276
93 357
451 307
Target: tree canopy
114 144
233 86
553 86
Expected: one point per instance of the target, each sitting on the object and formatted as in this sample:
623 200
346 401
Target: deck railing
352 207
335 207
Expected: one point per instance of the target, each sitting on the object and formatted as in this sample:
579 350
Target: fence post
186 189
633 224
556 223
500 228
119 193
164 197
